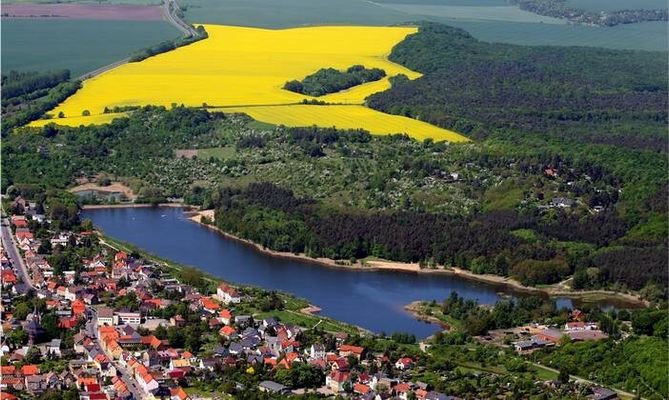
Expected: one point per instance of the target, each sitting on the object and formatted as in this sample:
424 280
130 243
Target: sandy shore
382 265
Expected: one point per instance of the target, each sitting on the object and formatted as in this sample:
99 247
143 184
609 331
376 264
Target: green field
141 2
473 13
502 23
287 13
81 45
650 36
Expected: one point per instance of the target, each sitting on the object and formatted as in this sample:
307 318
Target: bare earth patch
186 153
124 12
114 187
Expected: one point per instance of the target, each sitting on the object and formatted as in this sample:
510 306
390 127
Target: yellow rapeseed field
241 68
347 116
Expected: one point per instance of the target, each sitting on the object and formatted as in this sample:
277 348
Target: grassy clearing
220 153
80 46
505 196
309 321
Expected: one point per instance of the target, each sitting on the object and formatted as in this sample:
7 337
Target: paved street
13 253
126 377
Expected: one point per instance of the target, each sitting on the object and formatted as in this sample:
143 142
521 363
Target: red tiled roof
350 348
209 303
339 376
7 370
360 388
30 369
402 388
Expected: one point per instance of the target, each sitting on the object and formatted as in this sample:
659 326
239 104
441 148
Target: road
13 252
170 8
125 375
579 379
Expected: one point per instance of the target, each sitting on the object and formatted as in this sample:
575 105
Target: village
115 352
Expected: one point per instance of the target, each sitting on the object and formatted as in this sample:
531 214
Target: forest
330 80
483 243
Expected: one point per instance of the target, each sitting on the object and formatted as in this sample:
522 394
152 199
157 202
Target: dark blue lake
371 299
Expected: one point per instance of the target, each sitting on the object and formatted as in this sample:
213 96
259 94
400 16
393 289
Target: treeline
560 9
168 45
330 80
483 243
17 84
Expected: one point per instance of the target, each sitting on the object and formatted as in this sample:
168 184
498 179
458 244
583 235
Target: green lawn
78 45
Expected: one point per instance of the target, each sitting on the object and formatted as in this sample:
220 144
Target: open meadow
244 70
81 46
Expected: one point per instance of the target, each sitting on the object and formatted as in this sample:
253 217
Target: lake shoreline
383 265
135 205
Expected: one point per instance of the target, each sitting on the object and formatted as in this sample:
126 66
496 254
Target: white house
227 294
105 316
317 351
404 363
130 318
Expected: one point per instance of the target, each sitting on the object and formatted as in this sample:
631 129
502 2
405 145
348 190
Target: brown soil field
125 12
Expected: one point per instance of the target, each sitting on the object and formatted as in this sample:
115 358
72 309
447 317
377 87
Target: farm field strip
122 12
348 117
244 69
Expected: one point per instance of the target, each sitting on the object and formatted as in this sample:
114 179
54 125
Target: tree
17 337
22 310
563 376
33 356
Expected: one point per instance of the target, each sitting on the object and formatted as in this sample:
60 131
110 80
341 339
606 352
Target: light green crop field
103 2
290 13
505 12
78 45
488 20
650 36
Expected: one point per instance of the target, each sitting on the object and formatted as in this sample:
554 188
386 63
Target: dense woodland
330 80
27 96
